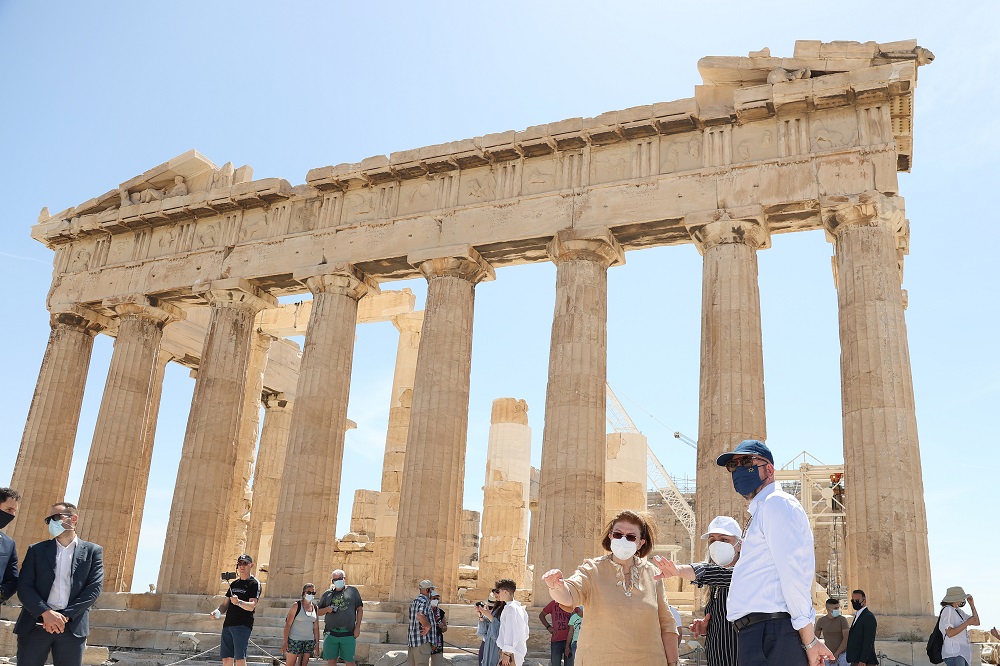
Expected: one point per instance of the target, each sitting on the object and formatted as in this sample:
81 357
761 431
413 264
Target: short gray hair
338 571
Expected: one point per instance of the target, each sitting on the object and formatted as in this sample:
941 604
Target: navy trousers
33 648
771 643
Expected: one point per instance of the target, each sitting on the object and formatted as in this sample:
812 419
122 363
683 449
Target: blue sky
99 92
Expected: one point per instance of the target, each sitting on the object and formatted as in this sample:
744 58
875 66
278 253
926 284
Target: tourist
239 607
861 639
437 655
9 499
59 581
628 617
833 628
301 637
489 629
770 598
342 610
954 625
512 638
723 538
558 628
575 623
422 634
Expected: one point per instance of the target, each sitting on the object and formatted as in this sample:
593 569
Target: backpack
935 642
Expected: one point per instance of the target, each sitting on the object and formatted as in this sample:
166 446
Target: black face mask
5 519
856 605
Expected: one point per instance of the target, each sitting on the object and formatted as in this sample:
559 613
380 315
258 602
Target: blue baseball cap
748 447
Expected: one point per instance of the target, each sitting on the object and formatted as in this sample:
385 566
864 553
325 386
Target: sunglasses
57 516
623 535
495 590
746 461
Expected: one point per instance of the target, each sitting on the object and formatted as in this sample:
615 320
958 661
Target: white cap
724 525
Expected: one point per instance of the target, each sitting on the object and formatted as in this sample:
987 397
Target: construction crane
620 421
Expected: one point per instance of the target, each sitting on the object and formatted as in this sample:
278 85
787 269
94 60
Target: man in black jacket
59 581
861 640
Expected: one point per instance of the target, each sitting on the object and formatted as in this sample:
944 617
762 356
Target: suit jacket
861 639
8 567
38 572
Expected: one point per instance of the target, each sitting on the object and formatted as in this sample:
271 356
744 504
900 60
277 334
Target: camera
480 604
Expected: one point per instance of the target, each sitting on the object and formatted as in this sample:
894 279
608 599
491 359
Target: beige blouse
618 628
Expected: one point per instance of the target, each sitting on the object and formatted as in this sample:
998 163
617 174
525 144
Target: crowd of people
759 609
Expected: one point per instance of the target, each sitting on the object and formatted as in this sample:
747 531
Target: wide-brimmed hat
748 447
954 594
723 525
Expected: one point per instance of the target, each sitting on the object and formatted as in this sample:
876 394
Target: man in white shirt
770 599
512 639
59 582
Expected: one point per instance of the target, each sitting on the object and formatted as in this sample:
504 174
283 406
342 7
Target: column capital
744 225
461 261
868 209
74 315
338 277
590 244
411 322
140 305
235 293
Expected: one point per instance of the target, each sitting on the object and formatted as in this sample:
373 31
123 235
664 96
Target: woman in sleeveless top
302 629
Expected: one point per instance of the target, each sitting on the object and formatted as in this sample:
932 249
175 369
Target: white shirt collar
764 493
72 543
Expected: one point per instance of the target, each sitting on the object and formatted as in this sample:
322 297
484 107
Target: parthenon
185 263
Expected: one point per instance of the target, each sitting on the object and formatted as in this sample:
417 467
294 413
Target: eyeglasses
746 461
57 516
623 535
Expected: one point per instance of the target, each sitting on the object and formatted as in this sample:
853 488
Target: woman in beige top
628 618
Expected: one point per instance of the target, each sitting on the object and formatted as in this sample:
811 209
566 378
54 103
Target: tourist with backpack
956 650
301 636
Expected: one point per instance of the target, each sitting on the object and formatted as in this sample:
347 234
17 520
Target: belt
336 632
753 618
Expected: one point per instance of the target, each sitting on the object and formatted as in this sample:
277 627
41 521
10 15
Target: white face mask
310 597
722 553
435 602
56 527
491 598
623 548
835 613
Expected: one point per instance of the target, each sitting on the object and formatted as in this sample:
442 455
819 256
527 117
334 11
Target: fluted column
887 554
428 529
503 548
240 494
387 510
199 515
117 467
43 461
571 488
267 476
731 405
304 538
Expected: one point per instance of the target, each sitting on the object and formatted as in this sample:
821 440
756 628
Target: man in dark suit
60 580
9 499
861 639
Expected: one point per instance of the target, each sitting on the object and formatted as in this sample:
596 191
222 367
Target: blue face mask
745 481
339 584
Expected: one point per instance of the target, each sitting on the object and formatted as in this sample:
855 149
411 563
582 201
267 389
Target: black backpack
935 642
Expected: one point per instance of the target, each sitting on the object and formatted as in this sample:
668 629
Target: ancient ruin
185 263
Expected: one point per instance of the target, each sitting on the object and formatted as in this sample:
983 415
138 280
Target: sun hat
426 584
723 525
954 594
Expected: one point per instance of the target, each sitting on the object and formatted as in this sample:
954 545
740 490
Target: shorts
339 646
300 647
234 642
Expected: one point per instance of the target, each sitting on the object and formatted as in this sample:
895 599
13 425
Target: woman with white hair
723 538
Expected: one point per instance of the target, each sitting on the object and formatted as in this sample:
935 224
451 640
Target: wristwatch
811 644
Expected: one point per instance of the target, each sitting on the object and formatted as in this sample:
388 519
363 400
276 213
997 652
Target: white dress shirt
59 594
513 635
858 614
777 565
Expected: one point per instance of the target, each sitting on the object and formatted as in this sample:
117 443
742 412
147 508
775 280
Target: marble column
731 400
43 461
241 494
887 553
387 511
267 476
152 418
571 485
503 549
199 515
118 464
624 473
304 538
533 525
428 529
